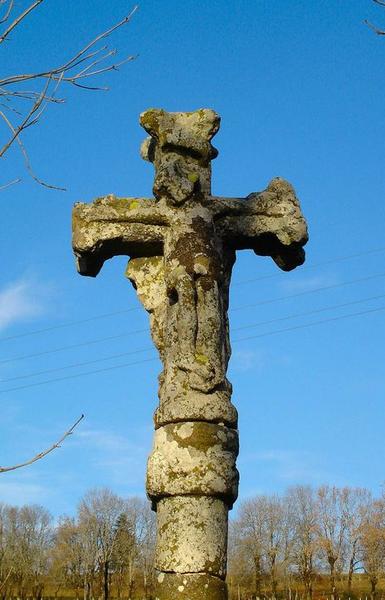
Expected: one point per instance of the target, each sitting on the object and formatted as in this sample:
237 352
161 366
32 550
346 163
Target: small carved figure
192 250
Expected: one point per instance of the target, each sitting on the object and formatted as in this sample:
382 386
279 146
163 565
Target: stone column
192 480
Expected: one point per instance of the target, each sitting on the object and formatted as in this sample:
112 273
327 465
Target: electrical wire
307 292
301 326
150 348
135 308
307 267
244 307
72 346
307 313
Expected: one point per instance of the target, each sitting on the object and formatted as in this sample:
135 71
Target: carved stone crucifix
182 247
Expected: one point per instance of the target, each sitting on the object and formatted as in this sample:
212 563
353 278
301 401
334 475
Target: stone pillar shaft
192 482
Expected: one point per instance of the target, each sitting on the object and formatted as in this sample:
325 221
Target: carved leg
186 322
210 337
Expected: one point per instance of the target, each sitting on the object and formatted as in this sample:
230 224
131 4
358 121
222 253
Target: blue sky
299 86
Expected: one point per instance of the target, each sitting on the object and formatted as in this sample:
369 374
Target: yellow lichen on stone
202 359
193 177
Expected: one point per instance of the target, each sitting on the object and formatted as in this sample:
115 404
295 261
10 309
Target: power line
134 332
69 324
316 265
306 292
78 364
72 346
76 375
150 348
307 313
302 326
135 308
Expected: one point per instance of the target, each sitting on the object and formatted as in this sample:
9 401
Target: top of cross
181 131
268 222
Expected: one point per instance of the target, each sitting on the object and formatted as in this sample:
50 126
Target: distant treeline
308 543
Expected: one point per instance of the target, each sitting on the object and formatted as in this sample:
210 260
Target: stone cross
182 246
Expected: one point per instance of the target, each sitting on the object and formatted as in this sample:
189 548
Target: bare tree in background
99 514
24 97
272 514
356 504
146 534
332 528
125 553
248 540
303 514
373 544
68 557
29 536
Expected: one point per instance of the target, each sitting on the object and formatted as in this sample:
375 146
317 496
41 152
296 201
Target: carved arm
269 222
116 226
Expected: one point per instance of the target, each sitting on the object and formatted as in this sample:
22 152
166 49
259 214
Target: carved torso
192 245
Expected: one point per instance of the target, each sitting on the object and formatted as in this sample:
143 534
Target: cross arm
269 222
112 226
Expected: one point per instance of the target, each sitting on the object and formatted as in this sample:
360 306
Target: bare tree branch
374 28
10 571
26 122
26 156
30 104
7 12
45 452
6 185
78 58
18 19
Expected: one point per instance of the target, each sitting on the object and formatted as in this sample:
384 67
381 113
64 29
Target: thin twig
70 72
18 20
27 95
7 107
6 578
45 452
380 2
374 28
25 153
73 62
17 130
7 13
99 37
6 185
114 67
35 112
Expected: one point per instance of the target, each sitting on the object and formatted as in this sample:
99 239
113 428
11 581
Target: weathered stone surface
147 276
272 224
182 245
189 586
178 177
194 457
185 404
192 535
